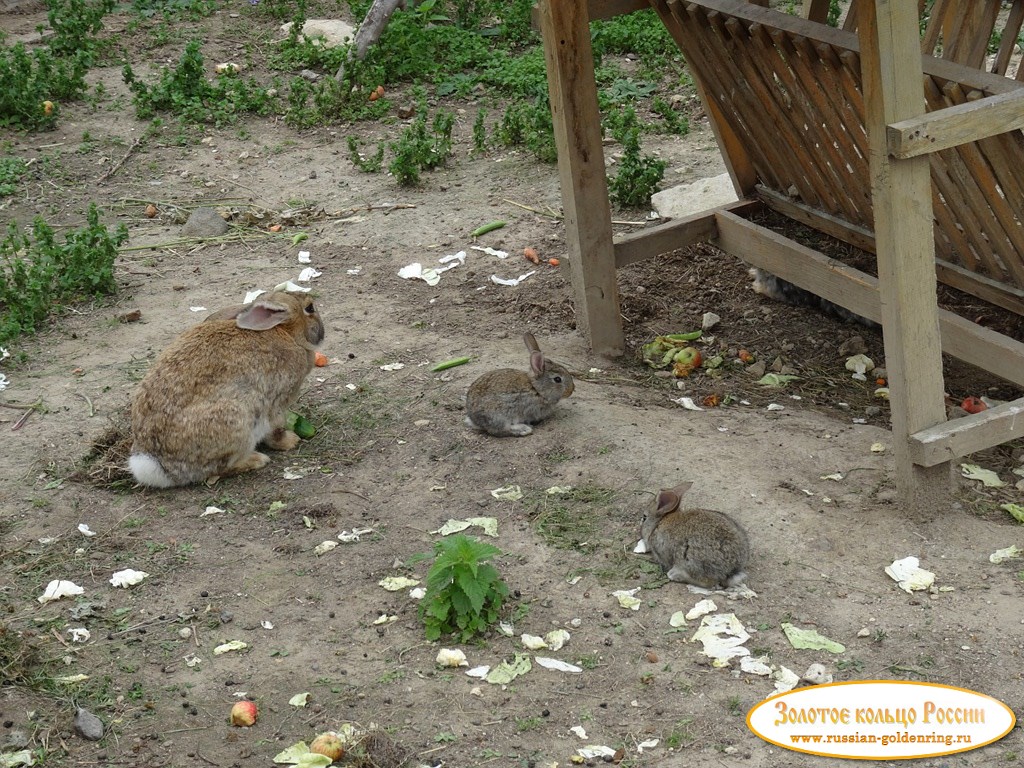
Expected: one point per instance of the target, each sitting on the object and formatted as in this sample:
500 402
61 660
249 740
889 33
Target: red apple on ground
244 713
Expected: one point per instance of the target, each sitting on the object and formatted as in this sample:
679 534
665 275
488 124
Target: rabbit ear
531 343
537 362
262 316
682 488
668 501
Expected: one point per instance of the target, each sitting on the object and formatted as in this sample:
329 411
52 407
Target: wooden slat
858 292
1008 41
993 291
958 124
606 9
672 235
968 434
572 94
816 10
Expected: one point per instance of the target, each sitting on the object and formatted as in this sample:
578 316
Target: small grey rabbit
507 402
696 546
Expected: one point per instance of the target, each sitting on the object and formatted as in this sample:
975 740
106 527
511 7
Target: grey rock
853 346
204 222
15 740
87 725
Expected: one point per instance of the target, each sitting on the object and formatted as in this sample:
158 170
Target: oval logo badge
881 720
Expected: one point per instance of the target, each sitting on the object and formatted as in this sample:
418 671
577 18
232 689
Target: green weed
530 126
367 164
464 592
638 176
38 275
11 171
185 92
418 150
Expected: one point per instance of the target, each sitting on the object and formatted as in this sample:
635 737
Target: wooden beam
606 9
572 93
968 434
960 124
816 11
901 193
674 234
598 9
858 292
1001 294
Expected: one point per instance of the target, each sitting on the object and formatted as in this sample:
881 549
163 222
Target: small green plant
527 723
368 164
464 592
529 126
638 176
735 706
38 275
675 122
11 171
480 132
680 735
419 150
184 91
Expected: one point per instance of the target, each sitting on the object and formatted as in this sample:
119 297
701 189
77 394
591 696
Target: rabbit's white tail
147 471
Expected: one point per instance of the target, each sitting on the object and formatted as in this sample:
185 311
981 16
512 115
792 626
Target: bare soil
391 454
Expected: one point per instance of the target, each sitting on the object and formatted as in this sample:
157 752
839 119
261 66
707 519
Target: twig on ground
116 166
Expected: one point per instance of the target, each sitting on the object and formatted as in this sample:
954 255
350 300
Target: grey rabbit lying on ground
696 546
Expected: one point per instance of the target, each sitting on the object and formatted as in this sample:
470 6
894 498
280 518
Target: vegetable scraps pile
675 351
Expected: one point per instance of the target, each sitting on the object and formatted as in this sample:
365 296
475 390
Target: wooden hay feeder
904 144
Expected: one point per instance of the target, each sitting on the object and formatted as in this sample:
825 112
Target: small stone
130 317
310 75
406 111
853 346
204 222
87 725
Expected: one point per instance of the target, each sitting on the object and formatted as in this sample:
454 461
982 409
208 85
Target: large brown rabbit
221 388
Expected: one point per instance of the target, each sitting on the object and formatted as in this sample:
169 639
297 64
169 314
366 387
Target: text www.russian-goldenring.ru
885 740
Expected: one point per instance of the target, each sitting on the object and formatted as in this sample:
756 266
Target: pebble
87 725
204 222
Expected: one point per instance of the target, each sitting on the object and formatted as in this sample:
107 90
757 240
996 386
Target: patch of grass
21 661
528 724
529 125
681 734
571 520
11 171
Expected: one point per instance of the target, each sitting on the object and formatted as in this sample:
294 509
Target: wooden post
565 27
901 193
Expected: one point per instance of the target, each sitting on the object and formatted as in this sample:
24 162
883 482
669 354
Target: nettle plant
464 593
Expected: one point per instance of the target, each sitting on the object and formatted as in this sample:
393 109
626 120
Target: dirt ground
392 455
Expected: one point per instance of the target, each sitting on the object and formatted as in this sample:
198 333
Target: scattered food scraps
1002 555
988 478
776 380
507 671
397 583
556 664
810 639
1016 511
909 575
299 699
228 647
83 528
489 525
723 636
320 359
128 578
531 255
627 598
244 713
451 657
508 493
687 403
59 588
859 365
490 251
702 608
512 281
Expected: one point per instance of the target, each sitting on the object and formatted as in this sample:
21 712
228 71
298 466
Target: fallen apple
973 404
243 713
329 744
686 360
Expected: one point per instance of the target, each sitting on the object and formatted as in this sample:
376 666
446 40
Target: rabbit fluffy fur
696 546
507 402
221 388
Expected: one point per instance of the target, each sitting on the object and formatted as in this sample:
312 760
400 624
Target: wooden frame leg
905 244
565 27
